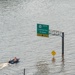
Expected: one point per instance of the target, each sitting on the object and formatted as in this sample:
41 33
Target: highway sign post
58 33
43 30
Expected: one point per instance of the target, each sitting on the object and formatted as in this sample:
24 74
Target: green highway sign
43 30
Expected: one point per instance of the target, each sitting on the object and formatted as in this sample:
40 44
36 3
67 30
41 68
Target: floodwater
18 37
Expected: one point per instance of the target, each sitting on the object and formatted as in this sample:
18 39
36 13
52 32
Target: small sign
43 30
53 53
55 32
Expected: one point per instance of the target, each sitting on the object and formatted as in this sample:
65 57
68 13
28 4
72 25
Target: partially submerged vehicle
13 61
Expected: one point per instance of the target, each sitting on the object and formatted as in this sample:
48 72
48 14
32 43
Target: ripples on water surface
18 19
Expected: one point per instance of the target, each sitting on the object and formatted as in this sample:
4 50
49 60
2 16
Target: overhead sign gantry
43 30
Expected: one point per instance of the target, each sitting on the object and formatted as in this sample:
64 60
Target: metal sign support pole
58 33
24 71
62 46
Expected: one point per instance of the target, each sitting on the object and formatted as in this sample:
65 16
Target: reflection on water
57 67
53 59
62 67
42 68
